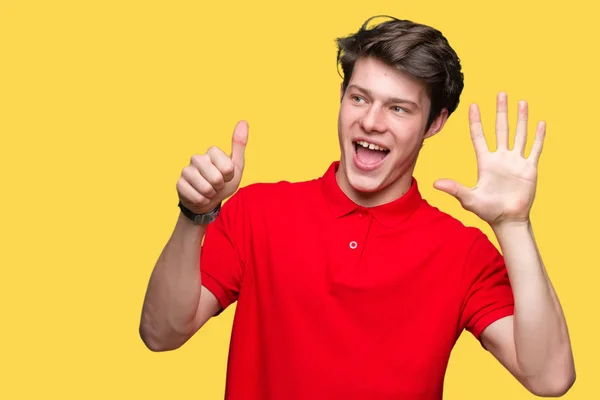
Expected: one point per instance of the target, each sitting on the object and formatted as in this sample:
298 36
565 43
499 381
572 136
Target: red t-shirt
337 301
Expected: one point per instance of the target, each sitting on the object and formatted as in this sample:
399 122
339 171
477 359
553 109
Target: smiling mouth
369 153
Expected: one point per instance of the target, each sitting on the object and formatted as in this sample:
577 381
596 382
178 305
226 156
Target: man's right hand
176 304
214 176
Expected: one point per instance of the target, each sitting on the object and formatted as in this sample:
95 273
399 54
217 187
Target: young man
352 286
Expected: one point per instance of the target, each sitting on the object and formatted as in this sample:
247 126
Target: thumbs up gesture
212 177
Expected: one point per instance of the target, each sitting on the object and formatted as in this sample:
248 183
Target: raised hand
212 177
507 180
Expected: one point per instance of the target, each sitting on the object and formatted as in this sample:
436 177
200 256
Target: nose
372 120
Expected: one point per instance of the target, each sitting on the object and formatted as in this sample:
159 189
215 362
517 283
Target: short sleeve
489 295
221 256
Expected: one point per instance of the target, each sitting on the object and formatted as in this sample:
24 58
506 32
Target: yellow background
103 102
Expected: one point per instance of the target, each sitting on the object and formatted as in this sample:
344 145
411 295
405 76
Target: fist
212 177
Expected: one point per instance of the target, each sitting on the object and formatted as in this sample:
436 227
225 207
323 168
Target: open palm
507 180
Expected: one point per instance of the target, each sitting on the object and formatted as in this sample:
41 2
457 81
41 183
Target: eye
398 109
357 99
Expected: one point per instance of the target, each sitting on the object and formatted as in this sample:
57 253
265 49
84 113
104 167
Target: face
381 128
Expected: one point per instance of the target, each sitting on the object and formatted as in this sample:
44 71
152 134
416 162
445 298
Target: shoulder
452 233
468 246
441 223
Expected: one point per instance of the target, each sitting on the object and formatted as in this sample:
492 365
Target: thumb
460 192
238 144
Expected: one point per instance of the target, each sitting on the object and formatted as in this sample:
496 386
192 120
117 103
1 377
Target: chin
362 183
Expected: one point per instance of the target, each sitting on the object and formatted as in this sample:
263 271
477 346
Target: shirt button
353 245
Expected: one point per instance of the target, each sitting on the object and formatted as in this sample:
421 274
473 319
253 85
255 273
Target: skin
388 108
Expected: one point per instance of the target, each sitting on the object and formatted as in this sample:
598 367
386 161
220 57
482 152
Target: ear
437 124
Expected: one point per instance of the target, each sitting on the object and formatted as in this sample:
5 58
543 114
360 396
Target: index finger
477 136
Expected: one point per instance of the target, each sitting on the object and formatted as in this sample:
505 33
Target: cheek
348 115
409 133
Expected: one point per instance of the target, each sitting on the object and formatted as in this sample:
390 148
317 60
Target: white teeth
370 145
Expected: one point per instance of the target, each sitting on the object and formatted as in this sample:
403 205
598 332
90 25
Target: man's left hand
507 180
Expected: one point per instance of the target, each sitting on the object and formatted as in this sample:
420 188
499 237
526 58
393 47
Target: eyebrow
389 99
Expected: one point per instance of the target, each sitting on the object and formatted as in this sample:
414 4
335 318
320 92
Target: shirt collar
388 214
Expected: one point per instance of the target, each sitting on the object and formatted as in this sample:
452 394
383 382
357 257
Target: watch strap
200 219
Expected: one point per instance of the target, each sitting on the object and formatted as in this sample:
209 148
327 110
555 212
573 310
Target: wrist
200 219
184 220
511 233
511 225
185 228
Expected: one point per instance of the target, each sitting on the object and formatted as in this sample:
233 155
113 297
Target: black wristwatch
200 219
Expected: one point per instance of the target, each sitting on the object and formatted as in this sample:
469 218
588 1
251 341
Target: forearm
540 332
173 293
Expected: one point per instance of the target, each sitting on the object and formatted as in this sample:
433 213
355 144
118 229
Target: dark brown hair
418 50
